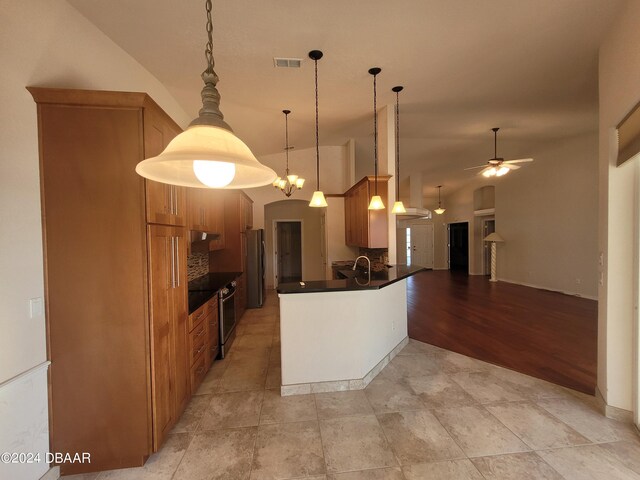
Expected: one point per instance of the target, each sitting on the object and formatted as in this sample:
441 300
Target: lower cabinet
203 341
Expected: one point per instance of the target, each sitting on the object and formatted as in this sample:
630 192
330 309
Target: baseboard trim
540 287
52 474
343 385
615 413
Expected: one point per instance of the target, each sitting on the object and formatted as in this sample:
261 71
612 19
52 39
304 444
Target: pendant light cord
375 135
397 145
208 53
317 134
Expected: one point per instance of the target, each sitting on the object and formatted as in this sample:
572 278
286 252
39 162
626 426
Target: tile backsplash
197 265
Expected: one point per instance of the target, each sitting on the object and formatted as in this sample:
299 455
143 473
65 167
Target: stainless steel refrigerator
256 286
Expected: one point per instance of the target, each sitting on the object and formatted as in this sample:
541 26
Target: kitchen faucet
355 264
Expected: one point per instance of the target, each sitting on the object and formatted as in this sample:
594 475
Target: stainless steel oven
227 305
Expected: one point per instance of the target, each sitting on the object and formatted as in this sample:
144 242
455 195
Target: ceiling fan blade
510 166
477 166
520 160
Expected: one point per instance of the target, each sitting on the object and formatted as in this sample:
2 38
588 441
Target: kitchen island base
340 340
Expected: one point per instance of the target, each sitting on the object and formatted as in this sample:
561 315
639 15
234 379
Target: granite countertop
203 288
358 280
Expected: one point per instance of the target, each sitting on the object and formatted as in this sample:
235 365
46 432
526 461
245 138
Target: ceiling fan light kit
498 166
207 154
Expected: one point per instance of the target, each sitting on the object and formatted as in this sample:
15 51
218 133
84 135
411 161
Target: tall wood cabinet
115 276
363 227
238 218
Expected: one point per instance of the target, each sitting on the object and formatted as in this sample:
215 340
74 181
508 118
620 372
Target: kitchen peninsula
339 334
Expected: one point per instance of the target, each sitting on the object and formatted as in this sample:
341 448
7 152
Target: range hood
412 212
197 236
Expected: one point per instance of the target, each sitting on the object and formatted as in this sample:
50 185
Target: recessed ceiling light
281 62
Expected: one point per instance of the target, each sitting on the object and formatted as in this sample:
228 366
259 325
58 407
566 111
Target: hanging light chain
286 138
208 53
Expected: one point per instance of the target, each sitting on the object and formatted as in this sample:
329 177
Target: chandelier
290 182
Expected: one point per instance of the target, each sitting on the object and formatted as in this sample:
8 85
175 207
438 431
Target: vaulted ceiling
527 66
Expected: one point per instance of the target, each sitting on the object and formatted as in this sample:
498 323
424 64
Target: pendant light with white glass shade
207 154
398 206
317 200
376 202
439 210
290 182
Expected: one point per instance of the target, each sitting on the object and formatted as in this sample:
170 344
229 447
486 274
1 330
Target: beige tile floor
430 414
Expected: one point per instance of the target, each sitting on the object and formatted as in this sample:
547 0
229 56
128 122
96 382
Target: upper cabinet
166 204
363 227
206 213
238 218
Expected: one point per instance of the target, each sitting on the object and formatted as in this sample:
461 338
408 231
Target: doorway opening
420 245
488 227
459 246
288 253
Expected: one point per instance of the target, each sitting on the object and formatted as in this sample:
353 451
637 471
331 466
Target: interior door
422 245
459 246
289 251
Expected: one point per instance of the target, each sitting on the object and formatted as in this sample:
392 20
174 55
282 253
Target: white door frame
274 253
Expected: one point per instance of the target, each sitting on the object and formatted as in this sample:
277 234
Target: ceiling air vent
287 62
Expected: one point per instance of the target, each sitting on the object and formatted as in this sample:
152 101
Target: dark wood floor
541 333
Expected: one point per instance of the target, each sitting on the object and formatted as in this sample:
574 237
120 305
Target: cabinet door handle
171 199
200 350
177 261
173 263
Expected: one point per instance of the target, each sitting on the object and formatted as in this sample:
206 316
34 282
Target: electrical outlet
36 307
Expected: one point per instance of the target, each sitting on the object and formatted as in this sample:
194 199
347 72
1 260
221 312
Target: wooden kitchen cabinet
203 341
206 214
168 315
363 227
237 216
166 204
115 277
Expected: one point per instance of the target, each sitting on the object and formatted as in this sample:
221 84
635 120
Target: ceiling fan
498 166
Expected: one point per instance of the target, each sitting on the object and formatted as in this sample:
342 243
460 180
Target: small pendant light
317 200
439 210
290 182
376 202
207 154
398 206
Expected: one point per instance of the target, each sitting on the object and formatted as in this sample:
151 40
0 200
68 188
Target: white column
387 166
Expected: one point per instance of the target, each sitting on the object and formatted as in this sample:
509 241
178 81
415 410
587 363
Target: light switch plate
36 307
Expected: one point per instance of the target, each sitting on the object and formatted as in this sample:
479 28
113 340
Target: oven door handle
229 297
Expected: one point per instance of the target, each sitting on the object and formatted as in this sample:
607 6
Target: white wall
547 214
44 43
619 83
313 250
